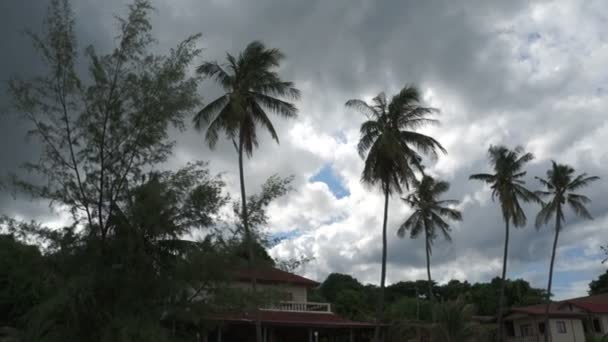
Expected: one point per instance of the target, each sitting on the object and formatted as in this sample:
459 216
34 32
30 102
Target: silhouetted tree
560 185
251 88
508 187
428 216
599 285
391 149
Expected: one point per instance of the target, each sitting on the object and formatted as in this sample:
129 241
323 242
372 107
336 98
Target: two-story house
291 319
569 320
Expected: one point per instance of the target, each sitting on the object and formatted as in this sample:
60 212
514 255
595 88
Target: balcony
531 338
299 307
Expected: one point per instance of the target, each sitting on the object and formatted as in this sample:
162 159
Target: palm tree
392 146
251 89
507 185
453 322
560 185
428 215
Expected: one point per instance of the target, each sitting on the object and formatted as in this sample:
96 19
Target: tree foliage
101 130
599 285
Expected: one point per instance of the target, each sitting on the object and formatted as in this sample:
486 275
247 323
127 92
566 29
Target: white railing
533 338
299 307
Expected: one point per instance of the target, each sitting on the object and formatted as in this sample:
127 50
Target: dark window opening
510 328
561 327
596 325
541 328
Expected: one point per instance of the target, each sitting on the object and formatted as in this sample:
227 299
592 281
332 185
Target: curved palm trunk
380 312
428 264
248 239
557 229
501 301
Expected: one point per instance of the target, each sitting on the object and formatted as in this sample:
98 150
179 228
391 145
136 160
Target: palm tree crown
507 184
429 210
251 88
389 139
560 185
428 215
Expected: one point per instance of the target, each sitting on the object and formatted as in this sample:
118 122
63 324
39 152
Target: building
569 320
291 319
595 310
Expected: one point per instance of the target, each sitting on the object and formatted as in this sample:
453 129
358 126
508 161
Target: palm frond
261 116
485 177
545 213
423 143
283 108
216 72
281 88
579 208
206 115
361 106
582 181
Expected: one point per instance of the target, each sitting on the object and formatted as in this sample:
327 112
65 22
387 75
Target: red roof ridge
274 275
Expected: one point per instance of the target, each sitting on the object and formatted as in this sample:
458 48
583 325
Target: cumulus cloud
502 72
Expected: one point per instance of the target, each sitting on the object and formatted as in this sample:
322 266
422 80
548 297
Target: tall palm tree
251 89
393 150
428 215
508 187
560 185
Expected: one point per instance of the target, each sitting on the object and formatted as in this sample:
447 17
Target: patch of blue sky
329 176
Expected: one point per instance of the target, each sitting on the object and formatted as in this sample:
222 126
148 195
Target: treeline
408 300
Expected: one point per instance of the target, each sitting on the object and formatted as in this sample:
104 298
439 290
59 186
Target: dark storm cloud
474 59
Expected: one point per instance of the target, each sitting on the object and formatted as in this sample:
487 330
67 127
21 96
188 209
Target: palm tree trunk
501 300
248 239
380 312
557 229
428 264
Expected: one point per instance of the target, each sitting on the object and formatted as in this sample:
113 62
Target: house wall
298 293
518 323
574 330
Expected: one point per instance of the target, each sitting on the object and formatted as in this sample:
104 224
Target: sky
529 73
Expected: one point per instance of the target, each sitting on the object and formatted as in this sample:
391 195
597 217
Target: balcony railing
532 338
299 307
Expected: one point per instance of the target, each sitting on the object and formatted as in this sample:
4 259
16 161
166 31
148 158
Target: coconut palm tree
560 185
251 89
508 187
392 149
428 216
453 322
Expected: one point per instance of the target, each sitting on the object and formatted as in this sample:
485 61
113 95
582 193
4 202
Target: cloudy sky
530 73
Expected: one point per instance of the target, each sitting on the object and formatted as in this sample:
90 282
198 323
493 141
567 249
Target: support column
219 334
352 335
309 335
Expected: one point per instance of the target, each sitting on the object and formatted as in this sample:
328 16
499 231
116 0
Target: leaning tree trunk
501 300
557 229
380 309
248 240
428 264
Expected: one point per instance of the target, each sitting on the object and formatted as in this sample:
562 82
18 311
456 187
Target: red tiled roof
539 309
274 276
594 304
300 319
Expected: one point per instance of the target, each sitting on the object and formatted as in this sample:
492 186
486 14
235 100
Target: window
510 327
596 325
526 330
541 328
561 327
